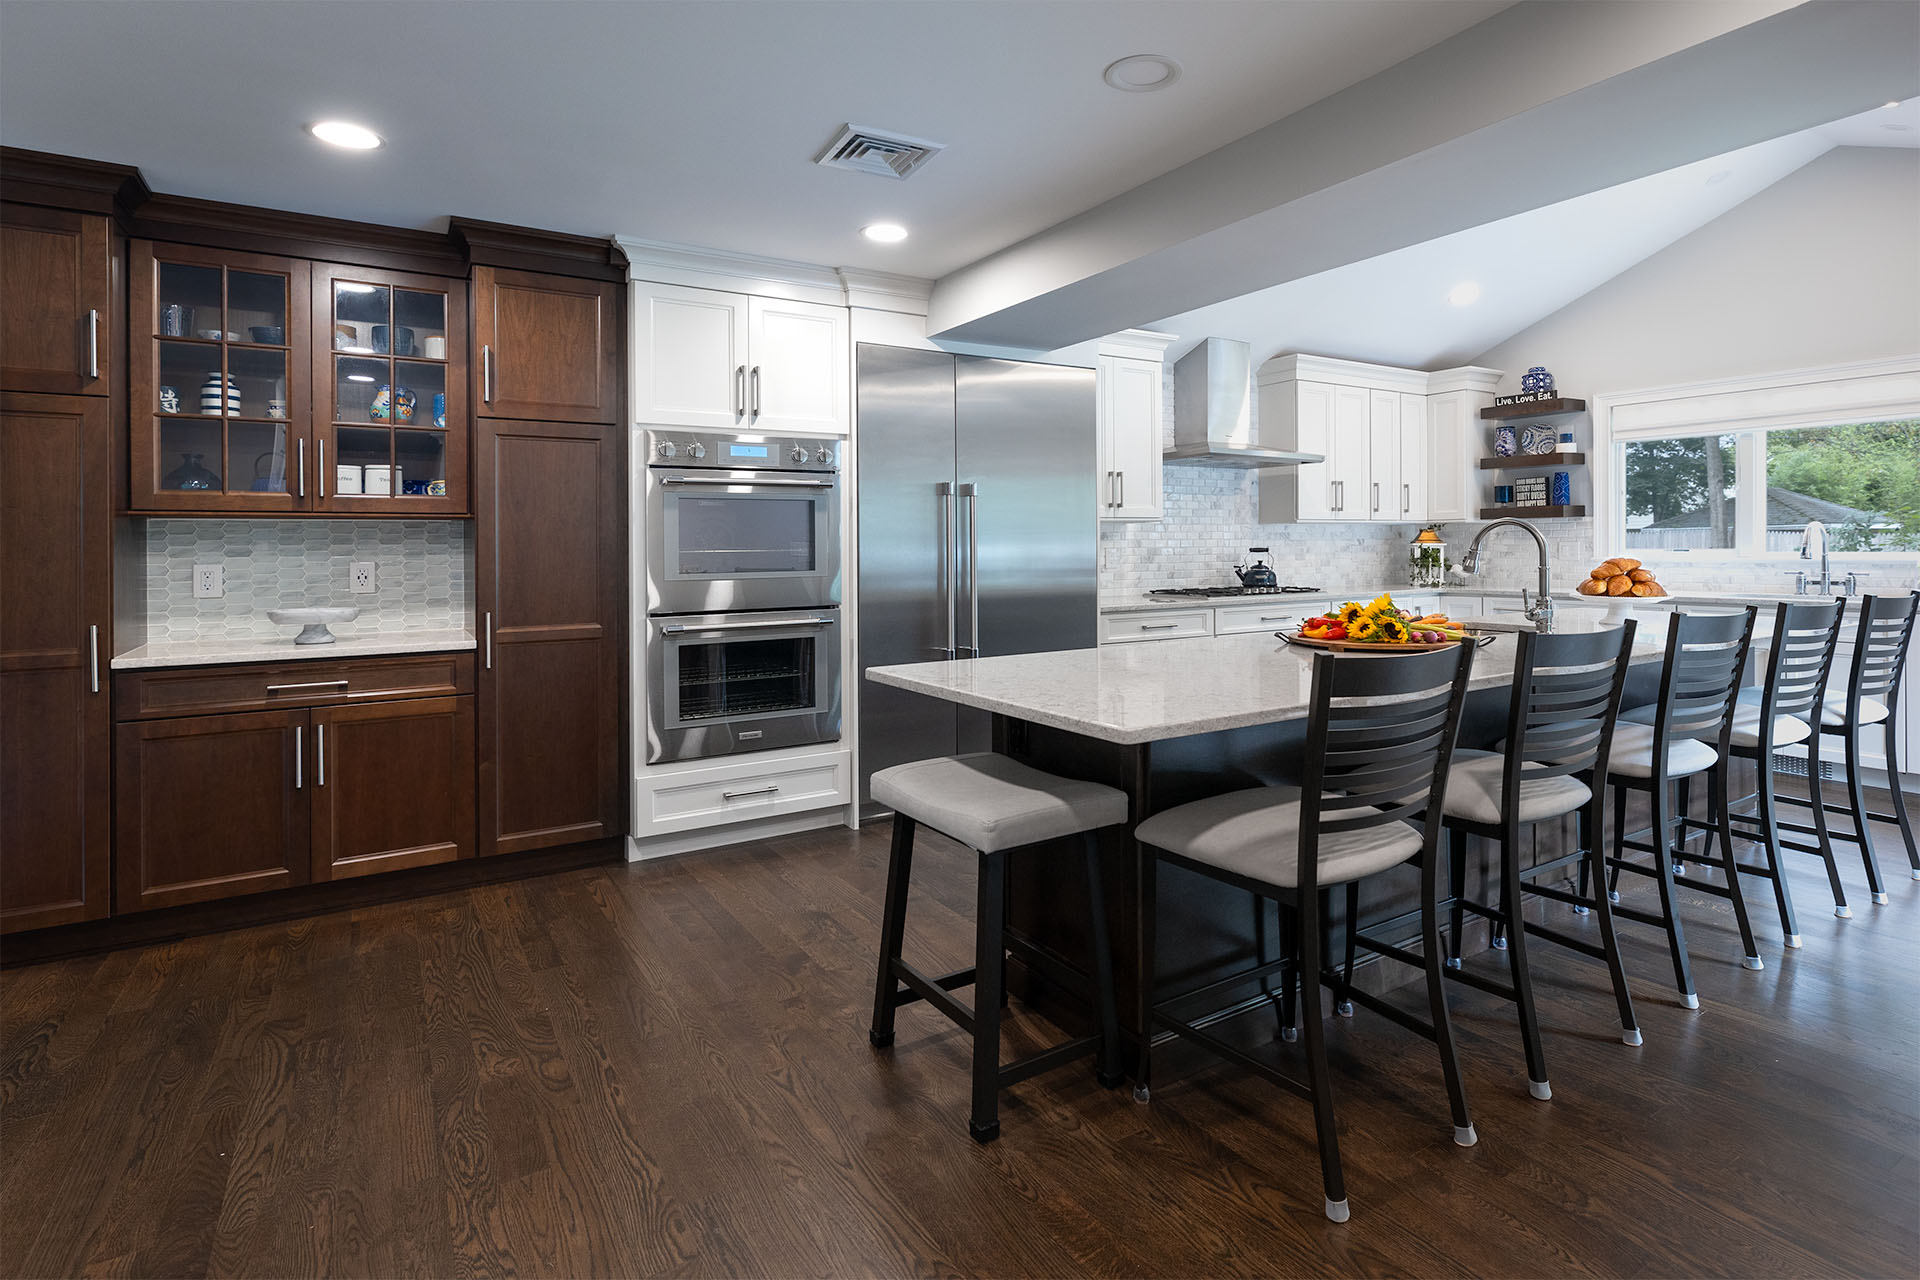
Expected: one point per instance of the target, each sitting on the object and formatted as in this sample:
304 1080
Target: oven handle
676 628
751 484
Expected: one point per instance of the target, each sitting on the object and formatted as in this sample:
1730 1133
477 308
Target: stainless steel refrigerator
978 533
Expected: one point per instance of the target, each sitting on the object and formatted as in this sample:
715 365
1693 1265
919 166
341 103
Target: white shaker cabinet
735 361
797 367
1383 455
1455 441
1322 418
1411 501
1130 377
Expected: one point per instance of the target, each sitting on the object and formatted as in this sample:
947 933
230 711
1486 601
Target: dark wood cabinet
393 786
56 274
551 568
210 807
56 604
546 347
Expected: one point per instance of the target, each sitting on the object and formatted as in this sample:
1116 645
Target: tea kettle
1257 574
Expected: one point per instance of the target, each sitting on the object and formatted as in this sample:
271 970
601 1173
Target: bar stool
1685 733
1872 697
1566 695
997 807
1380 733
1780 713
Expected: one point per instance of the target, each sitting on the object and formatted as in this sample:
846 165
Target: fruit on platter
1381 622
1621 576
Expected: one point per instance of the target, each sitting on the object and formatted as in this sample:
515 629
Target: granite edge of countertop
1117 602
240 649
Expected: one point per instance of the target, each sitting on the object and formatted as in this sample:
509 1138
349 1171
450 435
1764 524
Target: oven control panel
737 452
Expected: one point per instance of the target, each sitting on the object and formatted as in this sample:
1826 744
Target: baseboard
639 850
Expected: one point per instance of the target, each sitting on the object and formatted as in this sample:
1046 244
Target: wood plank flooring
664 1070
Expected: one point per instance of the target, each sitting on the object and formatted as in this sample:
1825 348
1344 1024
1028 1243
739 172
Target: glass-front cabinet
220 399
390 420
276 385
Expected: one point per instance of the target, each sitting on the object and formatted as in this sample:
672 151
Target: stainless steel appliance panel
908 521
722 684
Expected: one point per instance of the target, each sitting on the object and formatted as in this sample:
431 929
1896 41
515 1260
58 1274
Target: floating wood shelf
1534 409
1531 513
1528 461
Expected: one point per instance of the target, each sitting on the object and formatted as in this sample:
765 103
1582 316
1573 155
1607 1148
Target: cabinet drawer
1237 619
726 793
1123 628
193 691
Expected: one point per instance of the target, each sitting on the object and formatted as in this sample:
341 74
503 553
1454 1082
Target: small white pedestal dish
314 621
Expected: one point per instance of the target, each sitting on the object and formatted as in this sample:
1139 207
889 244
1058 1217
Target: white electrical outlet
209 582
360 577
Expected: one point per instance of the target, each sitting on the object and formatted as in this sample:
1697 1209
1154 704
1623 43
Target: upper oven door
720 541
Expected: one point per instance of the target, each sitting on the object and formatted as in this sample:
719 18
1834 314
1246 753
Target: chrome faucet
1539 609
1815 532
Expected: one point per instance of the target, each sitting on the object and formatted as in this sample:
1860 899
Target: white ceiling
682 120
1393 309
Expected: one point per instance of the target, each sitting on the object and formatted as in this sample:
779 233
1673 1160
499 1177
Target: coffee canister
346 478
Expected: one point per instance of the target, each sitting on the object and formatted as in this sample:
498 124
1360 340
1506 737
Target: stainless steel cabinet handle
757 791
299 764
1278 617
740 391
93 655
93 344
972 495
948 571
1334 504
678 628
486 376
1376 495
302 442
750 483
487 626
756 391
1158 626
1123 488
320 754
1406 498
311 684
321 447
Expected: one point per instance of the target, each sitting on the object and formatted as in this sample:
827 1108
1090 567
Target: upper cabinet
56 272
733 361
546 347
1131 387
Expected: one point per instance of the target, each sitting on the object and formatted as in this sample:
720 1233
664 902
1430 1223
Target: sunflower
1381 606
1390 631
1351 612
1361 628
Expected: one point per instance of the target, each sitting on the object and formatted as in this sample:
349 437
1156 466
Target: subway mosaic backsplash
423 575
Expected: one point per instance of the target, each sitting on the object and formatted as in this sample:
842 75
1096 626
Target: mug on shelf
175 320
347 478
434 346
169 400
346 336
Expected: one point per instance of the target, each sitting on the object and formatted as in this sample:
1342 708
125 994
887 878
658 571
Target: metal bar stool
1566 695
1380 733
997 807
1872 697
1686 732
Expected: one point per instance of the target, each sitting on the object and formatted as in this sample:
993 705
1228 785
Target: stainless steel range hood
1213 411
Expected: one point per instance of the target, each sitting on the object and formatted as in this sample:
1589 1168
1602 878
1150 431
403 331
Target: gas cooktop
1203 593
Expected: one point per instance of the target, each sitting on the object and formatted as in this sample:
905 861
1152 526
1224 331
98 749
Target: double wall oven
743 593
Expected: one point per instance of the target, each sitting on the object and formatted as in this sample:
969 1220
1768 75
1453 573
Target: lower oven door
723 683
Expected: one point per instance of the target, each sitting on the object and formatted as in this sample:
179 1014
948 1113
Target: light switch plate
209 582
360 577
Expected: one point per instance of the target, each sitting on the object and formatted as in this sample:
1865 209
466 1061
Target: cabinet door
220 404
1454 484
390 420
690 357
1130 424
548 347
1383 455
550 543
210 807
1411 500
392 786
56 274
1314 405
1349 449
56 600
799 364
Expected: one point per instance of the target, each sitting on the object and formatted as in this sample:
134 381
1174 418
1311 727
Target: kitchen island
1178 721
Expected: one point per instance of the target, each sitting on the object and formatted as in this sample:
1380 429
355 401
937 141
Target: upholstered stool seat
1476 785
1256 834
990 802
1787 730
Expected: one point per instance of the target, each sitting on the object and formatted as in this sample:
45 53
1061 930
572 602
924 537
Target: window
1754 491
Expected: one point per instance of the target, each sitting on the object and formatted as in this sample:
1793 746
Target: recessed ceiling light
1888 106
340 133
1142 72
1464 294
884 232
1719 176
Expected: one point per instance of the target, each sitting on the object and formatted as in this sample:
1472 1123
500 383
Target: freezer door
906 515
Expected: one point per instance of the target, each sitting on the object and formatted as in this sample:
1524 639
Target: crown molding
496 244
1137 344
885 290
1468 377
1346 373
67 182
661 262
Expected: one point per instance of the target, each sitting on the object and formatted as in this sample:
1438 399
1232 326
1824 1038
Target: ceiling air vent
890 155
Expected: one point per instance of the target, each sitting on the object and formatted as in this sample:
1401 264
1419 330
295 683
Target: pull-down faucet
1815 532
1539 610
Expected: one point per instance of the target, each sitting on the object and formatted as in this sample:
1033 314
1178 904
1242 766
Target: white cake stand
315 621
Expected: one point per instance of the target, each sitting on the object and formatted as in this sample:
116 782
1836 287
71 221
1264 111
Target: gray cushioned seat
990 802
1477 781
1633 751
1256 833
1787 730
1833 711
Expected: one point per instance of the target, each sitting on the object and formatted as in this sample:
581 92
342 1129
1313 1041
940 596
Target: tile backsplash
423 577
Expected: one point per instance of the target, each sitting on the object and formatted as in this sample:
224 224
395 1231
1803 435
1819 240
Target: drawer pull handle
740 795
311 684
1158 626
1276 617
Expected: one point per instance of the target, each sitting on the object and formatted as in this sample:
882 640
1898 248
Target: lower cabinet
393 786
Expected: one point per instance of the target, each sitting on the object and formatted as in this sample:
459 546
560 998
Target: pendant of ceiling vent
890 155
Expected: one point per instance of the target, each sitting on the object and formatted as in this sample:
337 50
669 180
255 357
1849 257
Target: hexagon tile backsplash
423 577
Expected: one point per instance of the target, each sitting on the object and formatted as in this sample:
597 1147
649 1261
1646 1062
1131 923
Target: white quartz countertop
1113 602
204 653
1134 693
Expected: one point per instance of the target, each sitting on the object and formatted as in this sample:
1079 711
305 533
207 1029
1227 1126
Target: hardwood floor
664 1069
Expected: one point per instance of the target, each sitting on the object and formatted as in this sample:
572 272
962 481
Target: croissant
1619 585
1604 570
1626 564
1640 575
1592 587
1644 588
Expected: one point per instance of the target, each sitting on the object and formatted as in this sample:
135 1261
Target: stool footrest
922 986
1567 940
1047 1059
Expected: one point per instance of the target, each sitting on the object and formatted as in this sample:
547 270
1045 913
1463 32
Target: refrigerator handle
948 576
972 494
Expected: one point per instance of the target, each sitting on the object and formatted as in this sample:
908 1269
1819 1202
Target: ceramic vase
1537 381
216 390
190 475
1506 442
